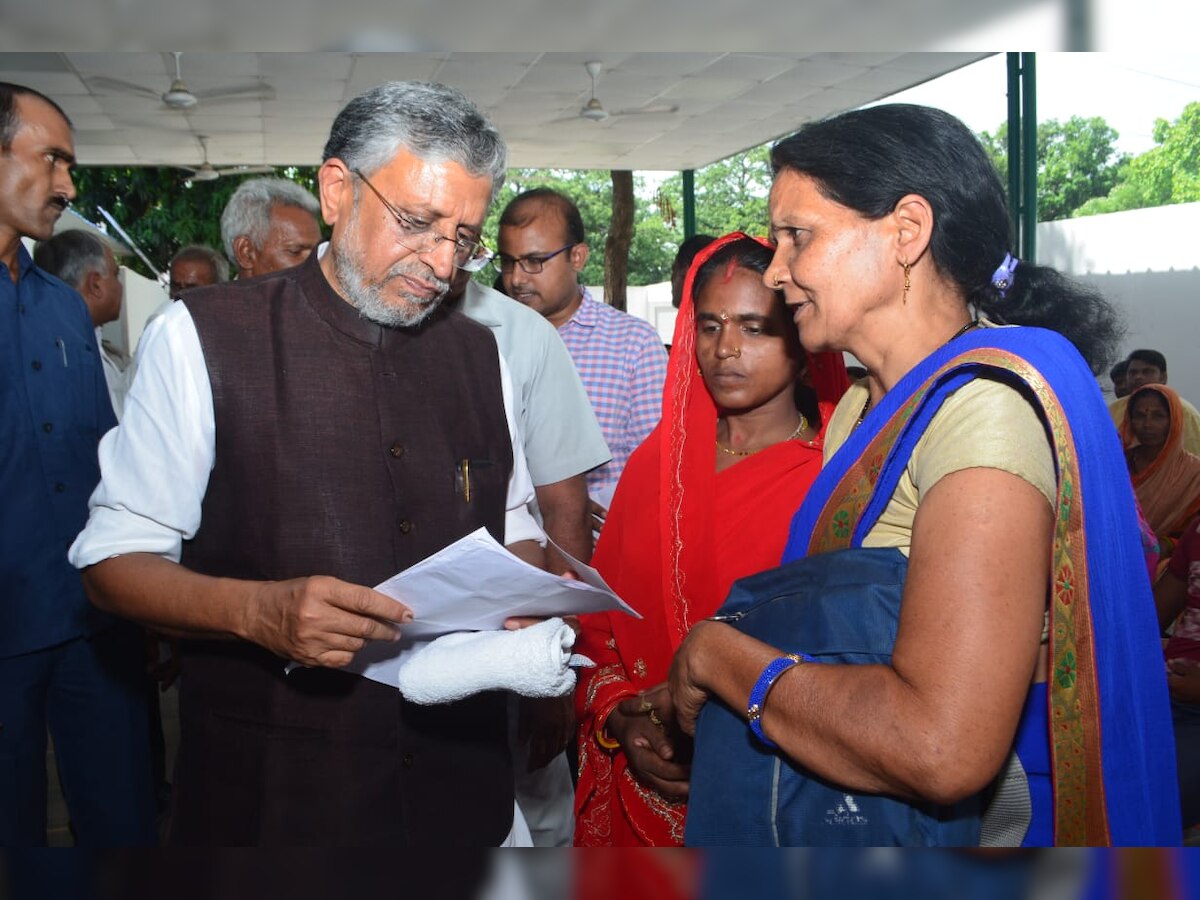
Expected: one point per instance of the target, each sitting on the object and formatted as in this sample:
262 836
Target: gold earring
907 280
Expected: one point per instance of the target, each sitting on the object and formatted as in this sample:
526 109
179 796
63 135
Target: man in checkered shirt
620 357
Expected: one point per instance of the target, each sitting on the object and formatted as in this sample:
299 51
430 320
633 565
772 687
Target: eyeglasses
530 265
470 254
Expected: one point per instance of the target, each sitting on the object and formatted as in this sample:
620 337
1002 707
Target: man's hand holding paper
475 585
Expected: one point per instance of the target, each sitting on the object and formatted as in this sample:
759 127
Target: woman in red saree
705 500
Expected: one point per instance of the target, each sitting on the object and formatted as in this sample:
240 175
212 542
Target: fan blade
245 170
124 87
659 110
246 92
573 117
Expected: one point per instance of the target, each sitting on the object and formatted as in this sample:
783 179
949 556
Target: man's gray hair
248 211
72 255
201 253
434 122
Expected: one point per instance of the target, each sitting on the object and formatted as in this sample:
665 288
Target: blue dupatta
1112 747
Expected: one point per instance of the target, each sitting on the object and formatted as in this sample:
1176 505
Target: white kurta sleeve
155 466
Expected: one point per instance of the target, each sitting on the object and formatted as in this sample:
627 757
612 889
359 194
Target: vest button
60 488
406 760
396 450
405 526
47 427
36 365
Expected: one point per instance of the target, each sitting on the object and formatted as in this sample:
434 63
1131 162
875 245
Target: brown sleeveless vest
338 443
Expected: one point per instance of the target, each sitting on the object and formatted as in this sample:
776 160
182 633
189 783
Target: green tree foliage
159 210
162 213
731 195
1166 174
1077 161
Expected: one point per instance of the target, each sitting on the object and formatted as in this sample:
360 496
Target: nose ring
777 282
737 352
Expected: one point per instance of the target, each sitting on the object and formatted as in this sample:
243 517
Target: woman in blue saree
1026 630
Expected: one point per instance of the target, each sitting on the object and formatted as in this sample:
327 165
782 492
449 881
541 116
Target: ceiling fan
594 110
178 96
206 171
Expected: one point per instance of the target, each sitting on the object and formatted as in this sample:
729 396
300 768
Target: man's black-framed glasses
531 264
470 254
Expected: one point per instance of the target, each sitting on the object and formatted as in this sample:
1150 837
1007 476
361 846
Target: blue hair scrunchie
1002 278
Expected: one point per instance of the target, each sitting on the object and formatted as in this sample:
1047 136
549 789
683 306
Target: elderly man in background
196 266
88 265
297 437
63 665
269 224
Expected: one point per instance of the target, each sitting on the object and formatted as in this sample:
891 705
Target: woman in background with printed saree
1166 478
704 500
1025 600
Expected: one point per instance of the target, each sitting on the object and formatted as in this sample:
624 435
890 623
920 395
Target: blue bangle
766 681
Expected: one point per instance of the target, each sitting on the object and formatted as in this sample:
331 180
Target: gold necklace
862 413
791 437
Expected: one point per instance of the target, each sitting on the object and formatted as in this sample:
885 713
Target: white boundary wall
1147 261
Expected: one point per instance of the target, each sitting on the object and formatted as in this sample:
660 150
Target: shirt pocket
81 364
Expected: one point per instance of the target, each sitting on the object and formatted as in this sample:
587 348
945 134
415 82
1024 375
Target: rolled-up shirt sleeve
155 466
519 525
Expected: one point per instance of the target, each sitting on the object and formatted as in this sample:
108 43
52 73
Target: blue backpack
846 605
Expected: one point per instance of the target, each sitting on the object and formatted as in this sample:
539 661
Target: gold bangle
605 741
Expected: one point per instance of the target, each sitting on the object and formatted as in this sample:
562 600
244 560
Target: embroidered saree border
1080 813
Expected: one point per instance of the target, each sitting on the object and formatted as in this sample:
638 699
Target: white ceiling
727 102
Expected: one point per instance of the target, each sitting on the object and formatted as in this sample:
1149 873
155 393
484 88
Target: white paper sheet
474 585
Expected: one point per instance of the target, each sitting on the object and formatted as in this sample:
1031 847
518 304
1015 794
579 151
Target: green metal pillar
1014 145
689 202
1022 152
1030 167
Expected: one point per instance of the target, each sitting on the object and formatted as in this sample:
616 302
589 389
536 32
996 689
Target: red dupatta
677 536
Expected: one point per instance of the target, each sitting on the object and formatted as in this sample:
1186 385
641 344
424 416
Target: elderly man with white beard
293 439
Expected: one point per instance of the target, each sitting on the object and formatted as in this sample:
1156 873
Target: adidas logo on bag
845 813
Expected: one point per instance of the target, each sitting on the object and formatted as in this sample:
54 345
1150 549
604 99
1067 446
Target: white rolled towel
534 661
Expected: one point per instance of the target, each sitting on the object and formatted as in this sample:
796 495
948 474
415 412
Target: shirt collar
474 305
588 314
26 268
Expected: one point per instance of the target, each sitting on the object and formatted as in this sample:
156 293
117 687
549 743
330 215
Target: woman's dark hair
868 159
746 253
750 254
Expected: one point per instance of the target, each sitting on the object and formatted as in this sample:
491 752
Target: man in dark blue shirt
64 666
